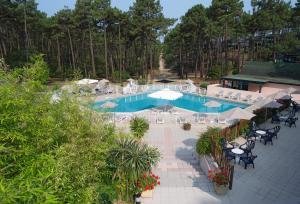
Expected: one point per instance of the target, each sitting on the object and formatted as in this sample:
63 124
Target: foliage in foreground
139 126
203 145
50 152
130 160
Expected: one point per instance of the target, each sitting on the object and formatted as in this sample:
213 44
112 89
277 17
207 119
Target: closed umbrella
212 104
109 104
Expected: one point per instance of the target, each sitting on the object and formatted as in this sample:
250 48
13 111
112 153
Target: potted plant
187 126
146 184
220 179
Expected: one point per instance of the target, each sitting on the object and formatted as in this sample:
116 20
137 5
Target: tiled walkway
275 179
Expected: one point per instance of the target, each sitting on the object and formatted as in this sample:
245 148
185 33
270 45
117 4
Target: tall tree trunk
105 50
58 56
92 52
72 50
26 33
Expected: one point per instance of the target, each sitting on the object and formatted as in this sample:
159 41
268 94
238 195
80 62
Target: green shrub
139 126
187 126
124 76
204 85
142 81
37 70
214 73
203 145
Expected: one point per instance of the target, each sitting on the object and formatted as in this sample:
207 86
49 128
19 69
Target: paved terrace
275 179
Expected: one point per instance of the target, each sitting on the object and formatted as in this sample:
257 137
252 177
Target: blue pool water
187 101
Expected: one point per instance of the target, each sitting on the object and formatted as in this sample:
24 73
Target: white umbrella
273 104
189 81
86 81
166 94
109 104
282 95
104 81
290 90
130 79
212 104
237 114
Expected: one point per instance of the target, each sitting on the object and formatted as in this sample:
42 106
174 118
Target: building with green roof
264 76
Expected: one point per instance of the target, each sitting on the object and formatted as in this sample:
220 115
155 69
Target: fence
229 133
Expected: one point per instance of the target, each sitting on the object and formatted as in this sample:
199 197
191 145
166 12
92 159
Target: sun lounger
258 99
228 95
201 120
247 98
236 96
160 120
220 93
180 120
222 121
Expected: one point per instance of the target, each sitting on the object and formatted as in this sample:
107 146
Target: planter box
147 194
207 163
221 190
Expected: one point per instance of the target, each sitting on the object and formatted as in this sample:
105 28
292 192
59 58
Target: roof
263 72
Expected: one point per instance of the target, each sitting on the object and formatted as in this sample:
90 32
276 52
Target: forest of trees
96 40
217 40
92 40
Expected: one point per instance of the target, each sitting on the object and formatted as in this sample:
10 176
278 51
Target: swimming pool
187 101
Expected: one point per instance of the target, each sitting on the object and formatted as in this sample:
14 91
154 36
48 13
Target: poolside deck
275 179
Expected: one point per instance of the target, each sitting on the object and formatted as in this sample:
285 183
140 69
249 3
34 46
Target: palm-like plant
139 127
131 159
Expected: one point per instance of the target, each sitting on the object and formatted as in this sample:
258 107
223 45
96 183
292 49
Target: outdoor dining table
261 132
237 152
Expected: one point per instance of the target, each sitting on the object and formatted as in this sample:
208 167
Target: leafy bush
139 126
50 152
124 75
204 85
203 145
37 70
187 126
214 73
142 81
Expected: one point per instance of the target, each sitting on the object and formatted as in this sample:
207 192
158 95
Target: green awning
247 78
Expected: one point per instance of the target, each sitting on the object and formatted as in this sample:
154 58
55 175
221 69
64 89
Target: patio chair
180 120
226 146
247 98
230 156
248 160
236 96
258 99
291 122
220 93
267 138
228 95
200 120
160 120
274 131
222 121
248 146
275 119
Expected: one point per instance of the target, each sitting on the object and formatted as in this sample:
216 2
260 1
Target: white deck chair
201 120
228 95
222 121
180 120
220 93
160 120
247 98
258 99
236 96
